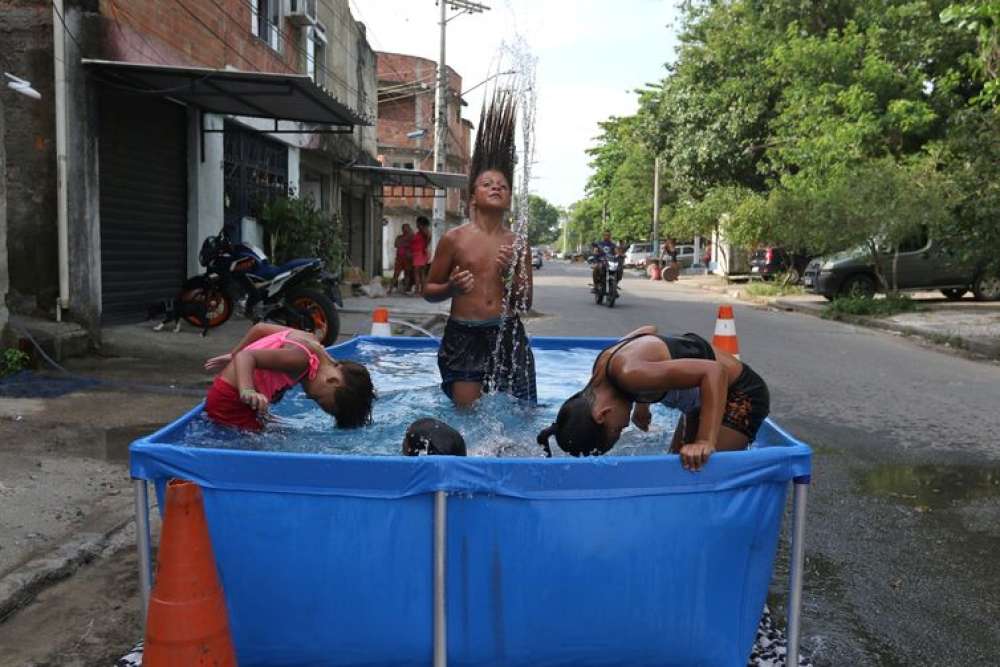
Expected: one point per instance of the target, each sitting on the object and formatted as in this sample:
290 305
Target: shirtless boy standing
472 267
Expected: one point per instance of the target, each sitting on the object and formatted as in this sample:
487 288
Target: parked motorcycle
606 289
298 293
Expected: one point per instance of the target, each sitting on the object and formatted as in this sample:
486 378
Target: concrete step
59 340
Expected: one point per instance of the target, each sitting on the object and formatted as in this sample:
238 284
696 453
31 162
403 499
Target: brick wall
206 33
407 106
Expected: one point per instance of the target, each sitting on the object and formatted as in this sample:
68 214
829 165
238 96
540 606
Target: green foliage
969 158
296 228
981 18
890 305
543 221
816 125
584 224
12 360
777 287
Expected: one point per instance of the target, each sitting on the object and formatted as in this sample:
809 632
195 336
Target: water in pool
407 382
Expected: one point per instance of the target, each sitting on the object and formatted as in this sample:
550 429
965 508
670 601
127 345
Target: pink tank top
270 383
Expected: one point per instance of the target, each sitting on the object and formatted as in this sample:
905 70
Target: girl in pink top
419 242
268 361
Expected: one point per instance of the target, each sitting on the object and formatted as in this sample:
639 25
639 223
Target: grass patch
775 287
856 305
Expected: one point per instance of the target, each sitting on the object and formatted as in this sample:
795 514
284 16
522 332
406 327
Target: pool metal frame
796 557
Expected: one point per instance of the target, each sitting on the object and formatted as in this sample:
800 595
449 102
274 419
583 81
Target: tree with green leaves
543 221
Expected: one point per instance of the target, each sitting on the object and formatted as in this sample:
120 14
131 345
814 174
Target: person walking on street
404 260
419 244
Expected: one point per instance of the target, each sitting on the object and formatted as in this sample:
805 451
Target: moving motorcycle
606 289
298 293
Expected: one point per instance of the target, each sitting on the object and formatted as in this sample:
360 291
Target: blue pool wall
327 560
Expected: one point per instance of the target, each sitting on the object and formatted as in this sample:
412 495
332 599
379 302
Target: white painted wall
205 185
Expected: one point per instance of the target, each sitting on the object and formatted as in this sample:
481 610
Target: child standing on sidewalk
268 361
472 266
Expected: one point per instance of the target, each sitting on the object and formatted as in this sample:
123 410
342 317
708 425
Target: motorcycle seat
269 271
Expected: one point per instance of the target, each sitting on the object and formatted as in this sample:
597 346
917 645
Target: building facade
161 122
406 112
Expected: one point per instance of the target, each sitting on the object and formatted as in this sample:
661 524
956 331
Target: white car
637 254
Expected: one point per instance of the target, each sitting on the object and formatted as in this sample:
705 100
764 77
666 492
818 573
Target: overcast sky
591 55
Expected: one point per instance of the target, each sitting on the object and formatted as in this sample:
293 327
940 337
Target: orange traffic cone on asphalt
380 322
186 623
725 332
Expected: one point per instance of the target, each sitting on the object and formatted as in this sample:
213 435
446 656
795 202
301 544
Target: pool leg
440 543
142 541
801 489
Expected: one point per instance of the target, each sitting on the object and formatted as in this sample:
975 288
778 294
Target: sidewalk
968 325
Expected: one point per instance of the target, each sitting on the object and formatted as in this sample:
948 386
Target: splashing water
406 381
517 54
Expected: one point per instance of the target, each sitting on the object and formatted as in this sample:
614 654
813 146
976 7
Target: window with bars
265 21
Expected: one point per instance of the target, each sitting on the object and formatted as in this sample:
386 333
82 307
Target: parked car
769 261
923 264
536 258
637 254
685 255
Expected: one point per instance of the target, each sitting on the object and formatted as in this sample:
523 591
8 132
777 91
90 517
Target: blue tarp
326 560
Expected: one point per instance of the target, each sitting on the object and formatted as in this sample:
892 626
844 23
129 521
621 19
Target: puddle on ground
932 486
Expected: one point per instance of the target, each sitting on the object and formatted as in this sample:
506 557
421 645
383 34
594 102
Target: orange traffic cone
186 623
380 322
725 332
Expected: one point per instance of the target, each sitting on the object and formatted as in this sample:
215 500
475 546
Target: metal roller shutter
143 199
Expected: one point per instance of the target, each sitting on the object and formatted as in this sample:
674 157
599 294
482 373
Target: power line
223 41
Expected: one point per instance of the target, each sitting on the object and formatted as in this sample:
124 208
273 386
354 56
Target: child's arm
444 280
709 376
290 361
254 333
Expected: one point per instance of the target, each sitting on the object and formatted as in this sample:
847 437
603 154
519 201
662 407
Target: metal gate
256 171
143 203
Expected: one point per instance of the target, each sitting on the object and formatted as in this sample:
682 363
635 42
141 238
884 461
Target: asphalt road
904 509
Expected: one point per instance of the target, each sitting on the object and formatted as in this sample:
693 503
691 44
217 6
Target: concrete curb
20 586
987 349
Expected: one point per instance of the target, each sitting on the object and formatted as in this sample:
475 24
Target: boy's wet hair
422 221
494 149
432 436
352 401
576 432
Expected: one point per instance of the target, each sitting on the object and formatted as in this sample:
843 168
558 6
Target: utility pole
656 207
441 113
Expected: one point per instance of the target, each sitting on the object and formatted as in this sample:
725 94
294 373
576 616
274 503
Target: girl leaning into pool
722 400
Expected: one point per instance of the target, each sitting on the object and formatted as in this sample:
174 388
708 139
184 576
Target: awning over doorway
291 97
413 178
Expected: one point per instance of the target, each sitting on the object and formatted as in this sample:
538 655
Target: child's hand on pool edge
641 416
695 454
218 363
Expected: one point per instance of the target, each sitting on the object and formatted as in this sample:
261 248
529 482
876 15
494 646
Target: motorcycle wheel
325 319
198 292
598 297
612 295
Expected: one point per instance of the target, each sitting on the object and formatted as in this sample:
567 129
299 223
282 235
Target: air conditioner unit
302 12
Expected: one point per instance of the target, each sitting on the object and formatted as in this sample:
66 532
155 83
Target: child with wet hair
268 361
485 269
722 400
432 437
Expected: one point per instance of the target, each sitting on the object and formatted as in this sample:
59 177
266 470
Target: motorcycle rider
601 250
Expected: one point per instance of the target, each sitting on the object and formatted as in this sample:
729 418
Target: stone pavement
964 325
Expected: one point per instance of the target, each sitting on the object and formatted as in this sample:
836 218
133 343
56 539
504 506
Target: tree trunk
895 271
877 265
